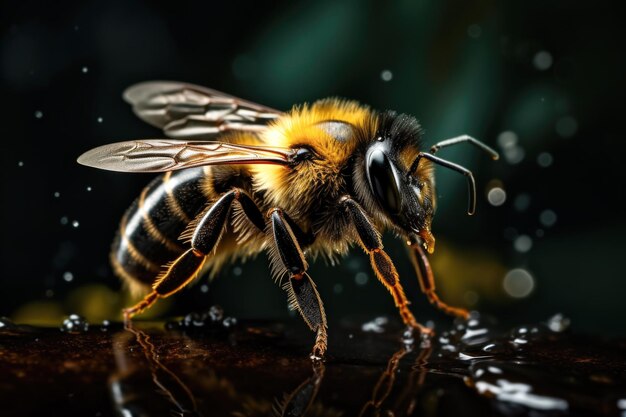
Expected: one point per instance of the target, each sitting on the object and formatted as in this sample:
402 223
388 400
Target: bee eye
303 154
383 181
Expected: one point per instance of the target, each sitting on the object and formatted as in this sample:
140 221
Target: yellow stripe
153 231
172 203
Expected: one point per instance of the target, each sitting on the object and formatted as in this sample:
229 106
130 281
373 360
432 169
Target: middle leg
303 295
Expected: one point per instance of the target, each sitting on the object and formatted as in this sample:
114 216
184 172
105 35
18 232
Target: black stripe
130 265
168 223
144 242
186 190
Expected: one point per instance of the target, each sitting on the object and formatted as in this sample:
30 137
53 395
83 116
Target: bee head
407 199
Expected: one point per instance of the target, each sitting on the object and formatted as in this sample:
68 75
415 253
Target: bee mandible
240 178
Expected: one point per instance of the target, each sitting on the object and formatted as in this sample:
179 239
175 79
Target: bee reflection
405 403
148 388
143 386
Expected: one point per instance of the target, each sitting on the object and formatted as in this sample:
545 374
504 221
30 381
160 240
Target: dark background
549 74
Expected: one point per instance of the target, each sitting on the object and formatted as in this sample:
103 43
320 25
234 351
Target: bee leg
303 295
204 239
370 241
427 281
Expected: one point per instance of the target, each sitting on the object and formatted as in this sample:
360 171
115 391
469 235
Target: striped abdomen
149 232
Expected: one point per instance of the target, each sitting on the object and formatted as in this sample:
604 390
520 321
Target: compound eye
383 181
303 154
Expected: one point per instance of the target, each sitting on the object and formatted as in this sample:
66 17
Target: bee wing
159 155
193 112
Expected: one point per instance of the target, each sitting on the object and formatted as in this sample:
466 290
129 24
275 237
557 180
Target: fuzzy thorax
306 186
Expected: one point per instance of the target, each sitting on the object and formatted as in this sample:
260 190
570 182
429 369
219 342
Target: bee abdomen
149 232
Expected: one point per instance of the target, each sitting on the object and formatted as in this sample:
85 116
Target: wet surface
209 364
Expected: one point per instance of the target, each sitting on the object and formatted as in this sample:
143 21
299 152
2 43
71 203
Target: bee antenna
464 138
471 184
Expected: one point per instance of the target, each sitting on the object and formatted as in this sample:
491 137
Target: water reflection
200 367
146 388
143 386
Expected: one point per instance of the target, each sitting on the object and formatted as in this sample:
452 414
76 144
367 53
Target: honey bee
240 178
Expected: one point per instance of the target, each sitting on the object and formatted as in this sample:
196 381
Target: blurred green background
543 82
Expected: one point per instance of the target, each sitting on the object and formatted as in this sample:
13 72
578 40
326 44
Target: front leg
427 281
303 295
369 240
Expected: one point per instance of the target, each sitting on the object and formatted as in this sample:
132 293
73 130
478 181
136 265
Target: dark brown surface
207 367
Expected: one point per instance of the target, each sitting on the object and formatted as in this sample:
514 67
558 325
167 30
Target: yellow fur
286 187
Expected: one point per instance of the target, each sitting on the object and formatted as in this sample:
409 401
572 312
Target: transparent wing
159 155
192 112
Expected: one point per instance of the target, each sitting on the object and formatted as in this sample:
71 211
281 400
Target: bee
240 178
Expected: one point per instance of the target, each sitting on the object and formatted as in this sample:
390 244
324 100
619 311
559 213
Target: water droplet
545 159
85 70
375 326
106 326
75 224
518 283
488 379
64 220
408 337
88 188
204 288
489 347
558 323
566 126
523 243
514 154
57 194
474 31
6 323
507 139
338 288
212 320
216 313
361 278
542 60
38 114
386 75
20 163
496 196
68 276
237 271
49 293
547 218
521 202
229 322
100 120
75 324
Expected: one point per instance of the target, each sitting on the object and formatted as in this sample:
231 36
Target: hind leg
204 239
